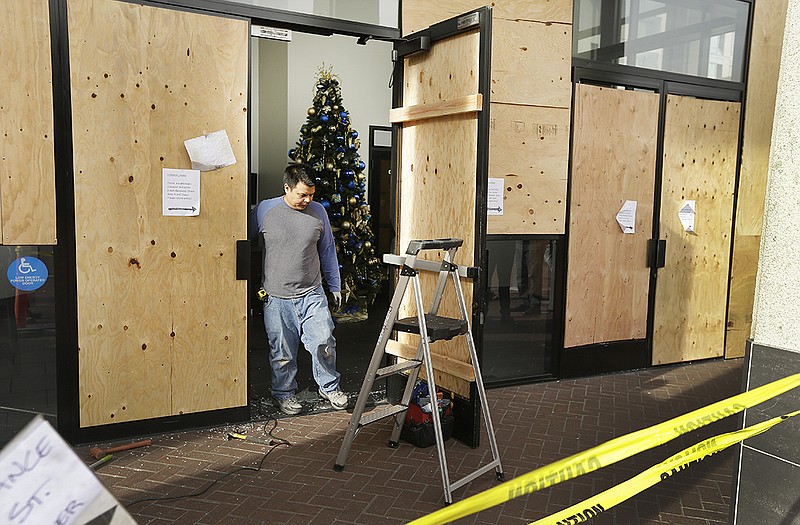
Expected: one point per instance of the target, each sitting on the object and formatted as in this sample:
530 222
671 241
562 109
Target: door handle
656 253
242 260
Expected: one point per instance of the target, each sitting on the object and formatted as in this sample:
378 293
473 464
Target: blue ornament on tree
351 185
323 118
354 134
348 173
343 115
291 153
325 203
361 165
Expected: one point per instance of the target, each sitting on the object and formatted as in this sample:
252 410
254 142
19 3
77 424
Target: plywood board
27 161
613 161
419 14
437 200
742 293
700 144
161 316
529 149
437 179
762 87
531 63
448 71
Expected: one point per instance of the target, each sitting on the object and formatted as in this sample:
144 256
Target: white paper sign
210 152
494 197
180 192
626 217
42 480
687 215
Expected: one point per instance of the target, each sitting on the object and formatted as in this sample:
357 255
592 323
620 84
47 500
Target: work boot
337 398
289 405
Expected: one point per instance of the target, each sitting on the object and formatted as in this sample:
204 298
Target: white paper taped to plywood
210 152
687 215
626 217
494 197
180 192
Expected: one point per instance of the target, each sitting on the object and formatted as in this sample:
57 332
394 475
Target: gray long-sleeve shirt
299 248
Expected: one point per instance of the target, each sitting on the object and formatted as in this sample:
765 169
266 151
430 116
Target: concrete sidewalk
535 425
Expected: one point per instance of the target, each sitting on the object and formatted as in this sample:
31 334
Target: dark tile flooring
535 425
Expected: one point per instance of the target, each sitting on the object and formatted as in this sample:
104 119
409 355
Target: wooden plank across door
437 179
161 316
700 144
614 157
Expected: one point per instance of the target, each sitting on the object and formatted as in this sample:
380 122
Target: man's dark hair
295 173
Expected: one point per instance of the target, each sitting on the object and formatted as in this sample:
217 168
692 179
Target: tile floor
535 425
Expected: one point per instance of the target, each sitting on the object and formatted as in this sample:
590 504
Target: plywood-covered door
440 165
614 161
700 146
161 315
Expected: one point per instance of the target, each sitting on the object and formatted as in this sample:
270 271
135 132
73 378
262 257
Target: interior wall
272 111
287 74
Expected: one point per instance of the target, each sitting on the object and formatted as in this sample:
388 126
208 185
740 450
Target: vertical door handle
656 253
242 260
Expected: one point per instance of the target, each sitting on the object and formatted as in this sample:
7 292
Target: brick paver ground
535 424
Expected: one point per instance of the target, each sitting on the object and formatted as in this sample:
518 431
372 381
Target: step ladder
430 327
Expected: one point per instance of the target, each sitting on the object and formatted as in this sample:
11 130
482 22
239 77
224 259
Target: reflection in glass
518 328
703 38
27 342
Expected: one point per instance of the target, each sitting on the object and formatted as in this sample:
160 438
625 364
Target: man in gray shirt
299 250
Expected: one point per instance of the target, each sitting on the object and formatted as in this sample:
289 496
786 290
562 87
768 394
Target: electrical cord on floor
274 443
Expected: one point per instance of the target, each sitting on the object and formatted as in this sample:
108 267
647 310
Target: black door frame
467 414
615 356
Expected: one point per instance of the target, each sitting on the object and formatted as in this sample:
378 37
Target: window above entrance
385 13
704 38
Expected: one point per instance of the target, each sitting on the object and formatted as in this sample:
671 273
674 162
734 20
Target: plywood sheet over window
700 143
27 162
419 14
762 87
161 316
529 150
531 63
613 161
437 180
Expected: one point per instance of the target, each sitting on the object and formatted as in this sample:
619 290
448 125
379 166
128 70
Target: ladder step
438 327
397 368
374 415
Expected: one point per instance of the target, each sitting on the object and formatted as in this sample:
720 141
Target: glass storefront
27 337
703 38
519 341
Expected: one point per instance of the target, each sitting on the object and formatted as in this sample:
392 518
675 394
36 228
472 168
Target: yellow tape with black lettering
588 509
609 452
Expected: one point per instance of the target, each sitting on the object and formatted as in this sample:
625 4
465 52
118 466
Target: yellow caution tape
587 509
609 452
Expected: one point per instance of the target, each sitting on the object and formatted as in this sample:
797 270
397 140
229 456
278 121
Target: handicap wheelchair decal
27 274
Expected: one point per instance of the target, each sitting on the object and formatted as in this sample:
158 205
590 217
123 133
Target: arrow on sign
498 209
184 209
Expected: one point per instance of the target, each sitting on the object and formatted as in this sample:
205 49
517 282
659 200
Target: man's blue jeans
306 319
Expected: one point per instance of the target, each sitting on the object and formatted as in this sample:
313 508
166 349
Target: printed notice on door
494 197
180 192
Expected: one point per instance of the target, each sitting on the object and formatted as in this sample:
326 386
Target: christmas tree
330 146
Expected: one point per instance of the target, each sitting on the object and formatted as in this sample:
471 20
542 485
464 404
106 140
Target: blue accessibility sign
27 274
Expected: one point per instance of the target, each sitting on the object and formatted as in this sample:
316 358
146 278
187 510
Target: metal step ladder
430 327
